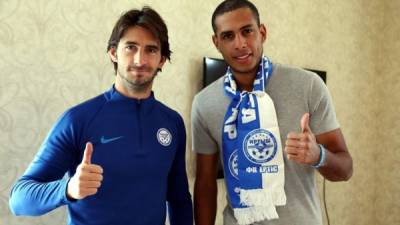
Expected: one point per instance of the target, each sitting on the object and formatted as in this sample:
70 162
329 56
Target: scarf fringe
261 197
245 216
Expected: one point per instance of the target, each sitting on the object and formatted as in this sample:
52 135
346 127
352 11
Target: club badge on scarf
252 150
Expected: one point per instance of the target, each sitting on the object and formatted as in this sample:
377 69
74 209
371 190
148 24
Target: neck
245 80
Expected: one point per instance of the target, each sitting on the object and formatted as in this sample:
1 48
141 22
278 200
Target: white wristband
322 157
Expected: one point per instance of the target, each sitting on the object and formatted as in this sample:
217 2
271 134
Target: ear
113 54
162 61
215 41
263 32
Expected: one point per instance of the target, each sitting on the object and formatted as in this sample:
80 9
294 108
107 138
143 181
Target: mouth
138 73
242 58
139 69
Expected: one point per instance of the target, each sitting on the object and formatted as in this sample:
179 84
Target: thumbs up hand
302 147
87 178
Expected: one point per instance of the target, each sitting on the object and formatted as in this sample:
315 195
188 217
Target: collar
146 104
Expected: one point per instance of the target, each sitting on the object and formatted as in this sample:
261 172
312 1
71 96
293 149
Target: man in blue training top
123 151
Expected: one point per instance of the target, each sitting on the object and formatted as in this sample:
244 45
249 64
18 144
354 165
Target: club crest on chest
164 137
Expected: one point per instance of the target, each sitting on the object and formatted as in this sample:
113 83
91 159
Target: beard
137 85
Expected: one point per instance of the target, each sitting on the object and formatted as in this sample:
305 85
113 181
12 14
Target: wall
387 155
52 56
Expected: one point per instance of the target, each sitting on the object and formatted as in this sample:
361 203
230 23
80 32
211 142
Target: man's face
240 40
138 56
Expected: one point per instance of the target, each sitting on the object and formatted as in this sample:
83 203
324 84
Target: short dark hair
146 18
231 5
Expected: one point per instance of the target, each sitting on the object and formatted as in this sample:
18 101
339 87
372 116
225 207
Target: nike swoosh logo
104 140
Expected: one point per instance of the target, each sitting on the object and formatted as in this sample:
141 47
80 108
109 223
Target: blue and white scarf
252 150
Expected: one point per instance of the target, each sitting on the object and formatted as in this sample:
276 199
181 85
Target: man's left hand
302 147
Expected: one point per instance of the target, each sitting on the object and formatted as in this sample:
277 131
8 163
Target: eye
247 31
227 36
152 50
130 48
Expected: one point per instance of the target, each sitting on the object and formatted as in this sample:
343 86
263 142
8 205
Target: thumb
87 155
304 123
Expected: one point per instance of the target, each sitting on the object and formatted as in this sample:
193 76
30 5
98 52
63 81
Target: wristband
322 157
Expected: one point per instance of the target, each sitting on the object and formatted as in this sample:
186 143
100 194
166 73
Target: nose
139 58
240 42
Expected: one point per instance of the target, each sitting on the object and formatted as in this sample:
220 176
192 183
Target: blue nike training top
140 144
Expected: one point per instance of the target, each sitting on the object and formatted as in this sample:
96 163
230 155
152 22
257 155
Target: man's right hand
87 178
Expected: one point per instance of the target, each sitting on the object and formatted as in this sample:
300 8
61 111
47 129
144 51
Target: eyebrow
225 32
147 46
246 26
242 28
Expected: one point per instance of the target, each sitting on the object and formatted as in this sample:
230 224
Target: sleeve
178 196
202 141
323 116
42 188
